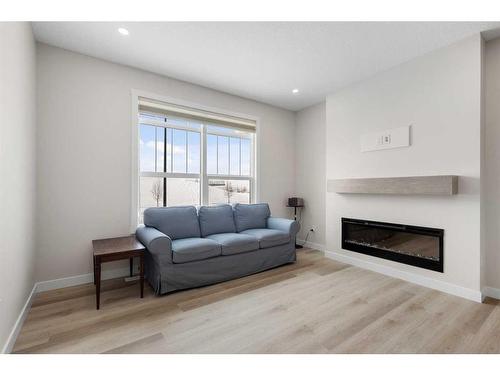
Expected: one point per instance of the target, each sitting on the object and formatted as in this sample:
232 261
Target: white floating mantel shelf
415 185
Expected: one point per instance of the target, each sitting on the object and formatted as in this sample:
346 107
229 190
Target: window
229 154
185 161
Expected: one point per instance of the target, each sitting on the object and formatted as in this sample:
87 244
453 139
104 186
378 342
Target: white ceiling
261 61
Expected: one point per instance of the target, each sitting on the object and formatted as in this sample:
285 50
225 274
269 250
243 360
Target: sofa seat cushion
190 249
216 219
268 237
235 243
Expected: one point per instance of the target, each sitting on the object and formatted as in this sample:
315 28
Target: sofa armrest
291 227
156 242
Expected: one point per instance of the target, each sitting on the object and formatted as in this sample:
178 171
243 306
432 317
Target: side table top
116 245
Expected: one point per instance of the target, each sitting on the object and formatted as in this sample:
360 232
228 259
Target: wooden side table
111 249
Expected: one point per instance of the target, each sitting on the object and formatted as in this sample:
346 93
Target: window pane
151 193
193 152
151 116
183 191
223 155
211 154
192 124
179 151
234 152
222 130
228 191
160 146
184 123
246 154
147 148
177 121
218 129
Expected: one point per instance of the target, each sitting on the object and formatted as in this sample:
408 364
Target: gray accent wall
17 171
439 95
310 172
84 152
492 153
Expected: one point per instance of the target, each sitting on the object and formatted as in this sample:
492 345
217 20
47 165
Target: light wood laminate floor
316 305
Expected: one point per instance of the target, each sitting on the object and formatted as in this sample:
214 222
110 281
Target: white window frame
135 155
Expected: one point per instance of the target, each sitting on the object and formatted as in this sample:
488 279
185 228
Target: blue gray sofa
188 248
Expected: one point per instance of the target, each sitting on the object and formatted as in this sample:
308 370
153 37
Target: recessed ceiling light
123 31
295 91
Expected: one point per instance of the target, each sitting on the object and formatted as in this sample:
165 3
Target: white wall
17 171
84 152
492 146
310 171
439 95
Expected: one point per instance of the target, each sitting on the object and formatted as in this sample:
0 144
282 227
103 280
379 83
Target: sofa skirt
171 277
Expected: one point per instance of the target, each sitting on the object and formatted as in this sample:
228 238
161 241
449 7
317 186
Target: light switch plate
386 139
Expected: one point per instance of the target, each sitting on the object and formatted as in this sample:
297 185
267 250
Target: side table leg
97 272
131 266
93 258
142 275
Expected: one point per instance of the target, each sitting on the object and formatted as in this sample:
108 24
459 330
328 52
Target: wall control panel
386 139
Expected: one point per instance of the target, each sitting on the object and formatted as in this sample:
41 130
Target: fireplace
416 246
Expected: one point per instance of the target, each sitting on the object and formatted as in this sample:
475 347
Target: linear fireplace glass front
417 246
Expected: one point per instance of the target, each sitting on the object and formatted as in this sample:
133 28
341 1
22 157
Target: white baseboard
489 291
11 340
470 294
43 286
312 245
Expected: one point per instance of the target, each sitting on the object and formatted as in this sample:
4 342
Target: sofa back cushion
175 222
216 219
251 216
